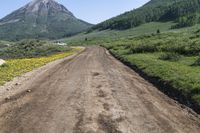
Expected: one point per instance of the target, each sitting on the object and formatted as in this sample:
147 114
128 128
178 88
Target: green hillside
99 37
185 12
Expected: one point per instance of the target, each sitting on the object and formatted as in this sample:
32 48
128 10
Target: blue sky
92 11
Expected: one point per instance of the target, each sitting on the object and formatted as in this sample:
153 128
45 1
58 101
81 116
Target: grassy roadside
170 60
179 79
16 67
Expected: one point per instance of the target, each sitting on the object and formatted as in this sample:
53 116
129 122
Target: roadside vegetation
26 55
171 58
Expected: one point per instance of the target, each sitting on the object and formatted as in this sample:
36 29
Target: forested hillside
184 12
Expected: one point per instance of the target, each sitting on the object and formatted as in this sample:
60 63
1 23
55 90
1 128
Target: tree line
184 12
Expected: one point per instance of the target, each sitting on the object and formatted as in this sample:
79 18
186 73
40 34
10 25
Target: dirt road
91 93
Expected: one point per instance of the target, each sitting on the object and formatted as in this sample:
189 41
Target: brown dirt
91 92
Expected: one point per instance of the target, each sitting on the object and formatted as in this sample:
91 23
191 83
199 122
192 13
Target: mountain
184 12
40 19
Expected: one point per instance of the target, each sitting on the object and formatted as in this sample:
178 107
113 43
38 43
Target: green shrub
158 31
142 48
197 62
170 56
186 21
30 49
4 65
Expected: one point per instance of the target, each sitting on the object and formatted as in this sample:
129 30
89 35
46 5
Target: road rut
92 93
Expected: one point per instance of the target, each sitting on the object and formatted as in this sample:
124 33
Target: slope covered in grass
99 37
